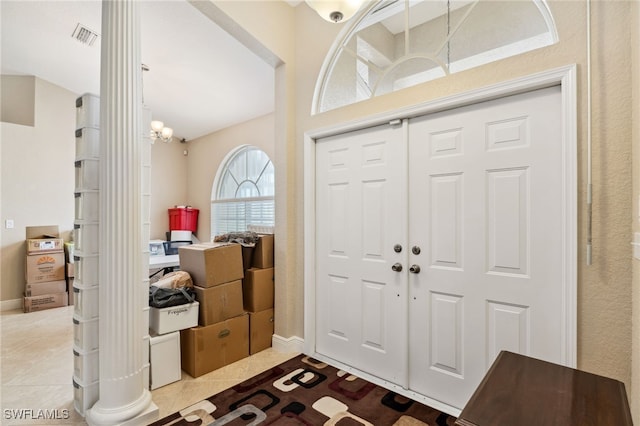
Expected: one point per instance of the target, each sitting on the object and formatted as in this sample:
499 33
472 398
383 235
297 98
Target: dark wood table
519 390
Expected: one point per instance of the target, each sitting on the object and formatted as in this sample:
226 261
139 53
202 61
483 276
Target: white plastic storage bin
145 348
87 205
88 111
145 320
87 143
86 269
85 300
87 174
165 359
84 396
85 333
86 238
85 366
146 376
156 247
174 318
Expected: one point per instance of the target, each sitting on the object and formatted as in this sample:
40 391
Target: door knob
396 267
415 269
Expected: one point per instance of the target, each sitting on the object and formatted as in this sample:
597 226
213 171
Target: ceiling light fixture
158 131
335 11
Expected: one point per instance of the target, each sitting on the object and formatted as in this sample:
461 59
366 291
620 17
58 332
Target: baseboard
287 344
9 305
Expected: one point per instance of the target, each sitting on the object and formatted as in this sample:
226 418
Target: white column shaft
122 393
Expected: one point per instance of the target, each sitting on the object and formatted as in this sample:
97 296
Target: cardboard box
247 256
45 267
260 330
173 318
71 270
204 349
45 301
258 289
48 287
219 303
263 252
212 264
43 239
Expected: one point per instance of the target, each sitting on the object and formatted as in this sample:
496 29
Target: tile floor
37 366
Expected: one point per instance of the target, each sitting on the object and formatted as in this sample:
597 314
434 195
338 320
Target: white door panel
475 198
486 211
361 209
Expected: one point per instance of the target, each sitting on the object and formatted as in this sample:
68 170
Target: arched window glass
243 193
400 43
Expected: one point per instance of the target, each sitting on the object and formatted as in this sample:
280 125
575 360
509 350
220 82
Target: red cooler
183 219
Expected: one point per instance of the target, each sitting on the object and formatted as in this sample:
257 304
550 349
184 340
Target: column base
142 412
150 415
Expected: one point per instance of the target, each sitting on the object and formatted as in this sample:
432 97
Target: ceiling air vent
84 35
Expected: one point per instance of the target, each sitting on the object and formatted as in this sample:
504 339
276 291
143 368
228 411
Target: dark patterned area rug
304 391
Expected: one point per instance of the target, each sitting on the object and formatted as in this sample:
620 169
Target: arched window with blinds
243 192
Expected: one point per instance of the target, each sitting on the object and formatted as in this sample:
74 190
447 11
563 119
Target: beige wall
168 184
206 155
37 176
19 92
635 363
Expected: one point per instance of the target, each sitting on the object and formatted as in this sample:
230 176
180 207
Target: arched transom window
400 43
243 192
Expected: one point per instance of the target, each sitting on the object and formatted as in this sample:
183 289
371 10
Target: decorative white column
123 398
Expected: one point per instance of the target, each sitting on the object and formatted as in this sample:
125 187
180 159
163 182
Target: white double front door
439 242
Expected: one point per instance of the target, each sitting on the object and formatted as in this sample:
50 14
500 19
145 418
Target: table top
159 262
520 390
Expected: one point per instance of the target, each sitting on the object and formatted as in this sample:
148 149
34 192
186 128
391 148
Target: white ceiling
200 80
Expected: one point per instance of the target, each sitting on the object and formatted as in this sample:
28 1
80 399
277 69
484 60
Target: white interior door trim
566 78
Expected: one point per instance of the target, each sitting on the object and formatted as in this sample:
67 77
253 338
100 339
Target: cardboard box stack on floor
46 286
258 294
222 335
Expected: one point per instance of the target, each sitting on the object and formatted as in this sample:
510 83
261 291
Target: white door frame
563 76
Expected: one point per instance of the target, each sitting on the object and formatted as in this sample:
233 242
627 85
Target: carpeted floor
303 391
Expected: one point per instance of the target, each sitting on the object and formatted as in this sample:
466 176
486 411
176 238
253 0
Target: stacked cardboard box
222 335
46 286
258 294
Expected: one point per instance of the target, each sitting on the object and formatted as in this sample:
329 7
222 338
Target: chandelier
158 131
